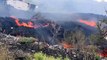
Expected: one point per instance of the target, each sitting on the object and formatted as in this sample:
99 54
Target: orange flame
29 24
90 23
66 45
103 53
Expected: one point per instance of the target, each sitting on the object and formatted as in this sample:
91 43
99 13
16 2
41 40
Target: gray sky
70 6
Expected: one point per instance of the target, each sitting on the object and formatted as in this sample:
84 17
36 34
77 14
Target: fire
66 45
103 53
29 24
90 23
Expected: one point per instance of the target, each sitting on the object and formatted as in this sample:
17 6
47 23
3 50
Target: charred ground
44 30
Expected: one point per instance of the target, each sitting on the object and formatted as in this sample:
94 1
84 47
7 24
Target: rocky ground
20 49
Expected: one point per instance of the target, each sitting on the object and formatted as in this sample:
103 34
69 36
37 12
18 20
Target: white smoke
101 0
18 4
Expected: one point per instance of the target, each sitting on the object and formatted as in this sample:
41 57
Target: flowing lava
89 23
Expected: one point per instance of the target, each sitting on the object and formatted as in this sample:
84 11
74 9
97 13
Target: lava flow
89 23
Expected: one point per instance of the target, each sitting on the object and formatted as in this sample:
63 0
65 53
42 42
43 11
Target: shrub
29 57
41 56
26 40
5 54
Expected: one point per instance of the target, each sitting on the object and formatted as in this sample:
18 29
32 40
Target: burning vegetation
43 30
39 38
90 23
52 39
29 24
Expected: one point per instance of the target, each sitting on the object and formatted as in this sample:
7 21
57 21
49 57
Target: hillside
45 29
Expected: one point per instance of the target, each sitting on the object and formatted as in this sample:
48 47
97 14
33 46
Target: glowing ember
67 45
29 24
103 53
89 23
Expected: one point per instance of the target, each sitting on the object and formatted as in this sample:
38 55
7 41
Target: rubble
8 39
21 50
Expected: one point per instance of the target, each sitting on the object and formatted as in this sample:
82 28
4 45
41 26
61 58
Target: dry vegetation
5 54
